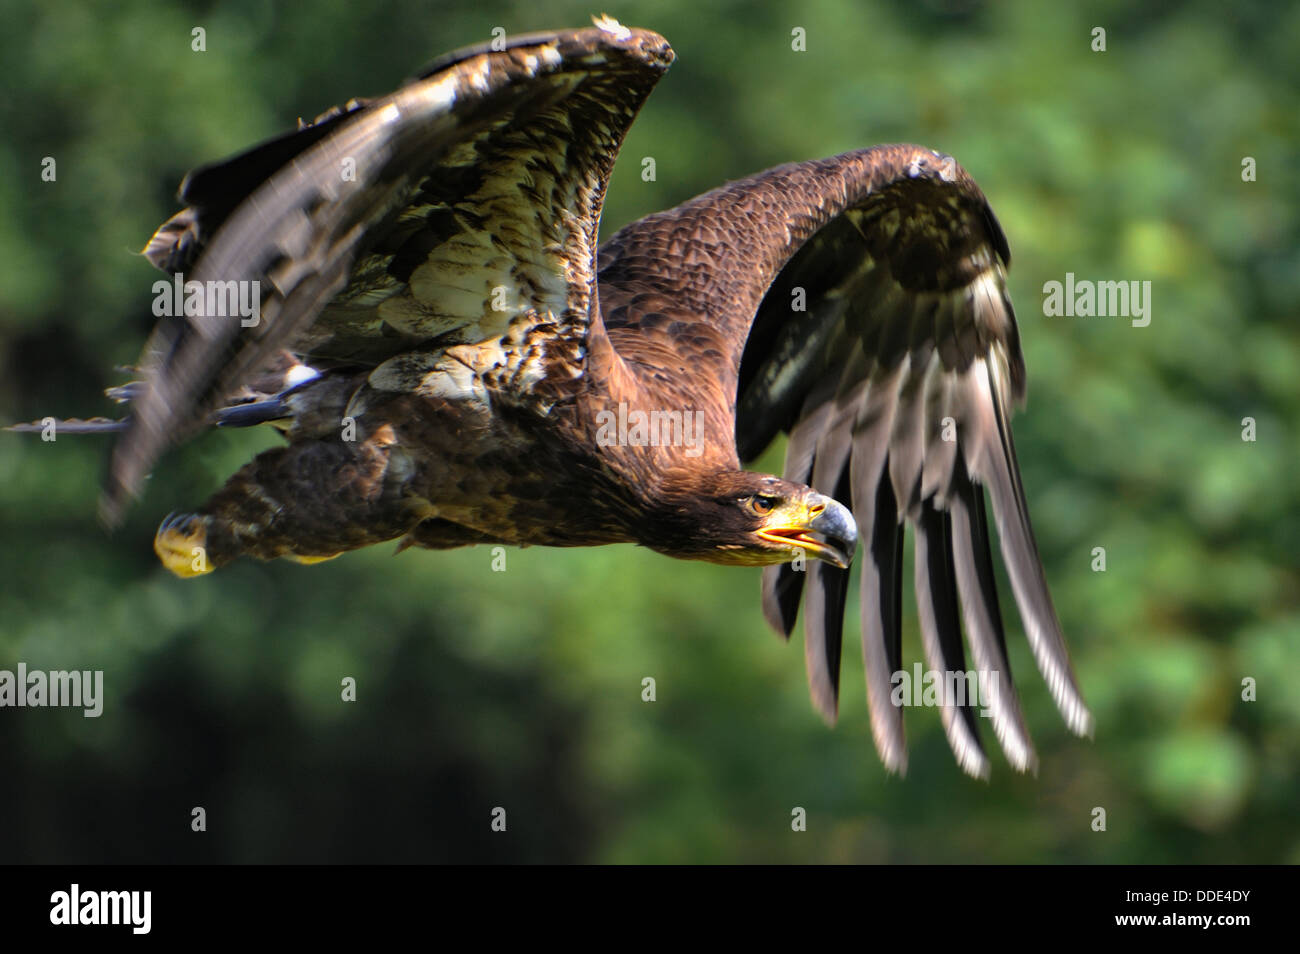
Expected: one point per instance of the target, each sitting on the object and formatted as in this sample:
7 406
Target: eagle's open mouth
831 535
816 544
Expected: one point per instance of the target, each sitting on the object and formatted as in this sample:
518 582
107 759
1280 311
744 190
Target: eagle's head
740 518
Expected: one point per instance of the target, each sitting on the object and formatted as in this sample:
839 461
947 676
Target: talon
181 544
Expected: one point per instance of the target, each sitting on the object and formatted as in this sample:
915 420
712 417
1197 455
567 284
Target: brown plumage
452 362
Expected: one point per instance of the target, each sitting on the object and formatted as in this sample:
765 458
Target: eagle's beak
823 527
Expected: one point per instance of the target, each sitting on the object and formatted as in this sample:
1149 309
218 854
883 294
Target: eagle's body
454 363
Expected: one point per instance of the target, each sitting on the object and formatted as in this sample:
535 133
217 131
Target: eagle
452 360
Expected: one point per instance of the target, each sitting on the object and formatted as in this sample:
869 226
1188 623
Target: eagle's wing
863 304
432 216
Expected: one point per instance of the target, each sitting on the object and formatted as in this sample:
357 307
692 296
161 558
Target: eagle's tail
237 415
261 402
51 427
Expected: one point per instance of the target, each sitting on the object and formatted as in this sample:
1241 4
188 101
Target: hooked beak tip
836 526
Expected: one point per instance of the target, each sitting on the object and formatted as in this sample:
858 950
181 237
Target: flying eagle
452 361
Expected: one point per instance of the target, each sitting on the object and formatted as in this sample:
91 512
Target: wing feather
936 598
978 591
875 508
363 228
782 585
828 586
1001 474
864 300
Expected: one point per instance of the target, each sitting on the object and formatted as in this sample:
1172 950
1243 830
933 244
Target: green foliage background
522 688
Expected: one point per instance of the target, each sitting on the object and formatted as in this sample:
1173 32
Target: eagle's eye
761 504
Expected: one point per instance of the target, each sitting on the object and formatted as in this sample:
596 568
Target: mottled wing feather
462 208
861 302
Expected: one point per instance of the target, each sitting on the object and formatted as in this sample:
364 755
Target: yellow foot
309 560
181 544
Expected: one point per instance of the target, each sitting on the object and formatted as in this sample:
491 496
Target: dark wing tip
781 589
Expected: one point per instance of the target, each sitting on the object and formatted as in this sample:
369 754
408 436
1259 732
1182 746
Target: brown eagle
453 361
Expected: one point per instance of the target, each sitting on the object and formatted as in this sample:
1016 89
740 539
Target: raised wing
447 212
861 306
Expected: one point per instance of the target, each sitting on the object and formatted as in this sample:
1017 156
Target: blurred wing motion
459 209
863 299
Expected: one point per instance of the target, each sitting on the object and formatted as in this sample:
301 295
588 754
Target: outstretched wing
862 302
448 212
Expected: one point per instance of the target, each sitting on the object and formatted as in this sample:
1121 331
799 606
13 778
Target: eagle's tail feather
237 415
54 427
